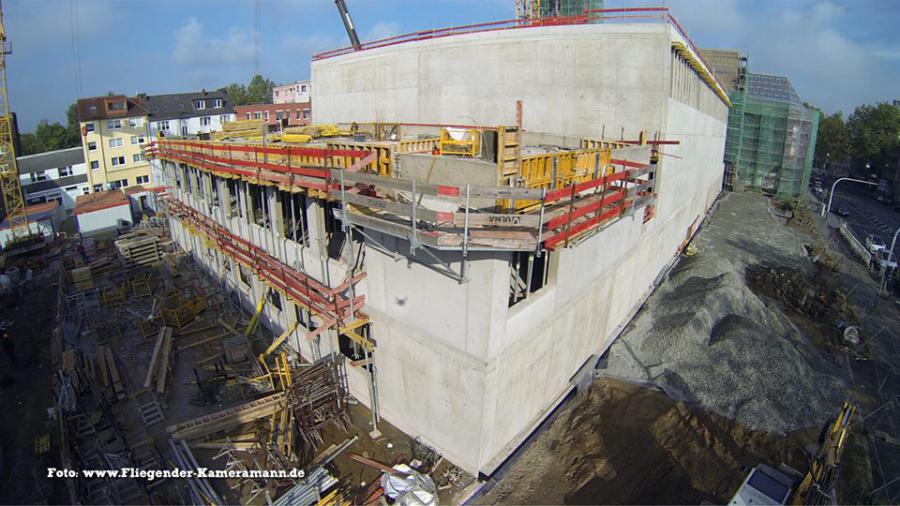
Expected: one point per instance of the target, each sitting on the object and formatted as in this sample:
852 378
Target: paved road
867 215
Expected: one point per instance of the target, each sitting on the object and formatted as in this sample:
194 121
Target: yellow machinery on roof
9 172
816 484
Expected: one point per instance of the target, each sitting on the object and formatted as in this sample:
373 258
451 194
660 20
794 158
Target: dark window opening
274 298
522 265
187 180
334 230
214 181
352 350
294 217
245 274
234 199
258 206
200 191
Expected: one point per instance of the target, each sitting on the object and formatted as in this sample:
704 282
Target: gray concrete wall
457 367
105 219
573 80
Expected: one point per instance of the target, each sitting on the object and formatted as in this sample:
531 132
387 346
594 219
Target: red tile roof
100 200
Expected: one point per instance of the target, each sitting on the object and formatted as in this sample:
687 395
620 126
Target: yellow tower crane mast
9 172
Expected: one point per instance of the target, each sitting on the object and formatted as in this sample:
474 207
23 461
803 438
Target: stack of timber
160 361
109 373
139 251
82 278
228 418
251 129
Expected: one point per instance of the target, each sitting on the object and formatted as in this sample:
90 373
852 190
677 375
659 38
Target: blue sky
837 53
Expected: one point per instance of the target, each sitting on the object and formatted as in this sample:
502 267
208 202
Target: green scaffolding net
568 7
771 137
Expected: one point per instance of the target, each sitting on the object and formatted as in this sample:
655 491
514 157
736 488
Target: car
841 211
874 243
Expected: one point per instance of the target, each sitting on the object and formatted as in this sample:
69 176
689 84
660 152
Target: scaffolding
771 138
557 8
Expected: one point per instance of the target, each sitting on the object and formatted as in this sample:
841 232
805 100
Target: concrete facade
461 365
456 365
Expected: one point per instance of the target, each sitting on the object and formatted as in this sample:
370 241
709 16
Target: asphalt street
867 215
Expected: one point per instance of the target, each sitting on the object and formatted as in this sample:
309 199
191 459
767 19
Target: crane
348 24
9 172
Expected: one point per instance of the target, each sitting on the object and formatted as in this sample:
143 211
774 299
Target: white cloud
193 47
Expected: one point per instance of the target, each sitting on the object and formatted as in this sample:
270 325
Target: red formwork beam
301 288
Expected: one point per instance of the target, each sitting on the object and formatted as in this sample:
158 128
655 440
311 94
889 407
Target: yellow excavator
766 485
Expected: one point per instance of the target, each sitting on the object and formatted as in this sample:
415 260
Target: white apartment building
300 91
55 175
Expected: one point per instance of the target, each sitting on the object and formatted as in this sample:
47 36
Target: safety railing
570 192
304 290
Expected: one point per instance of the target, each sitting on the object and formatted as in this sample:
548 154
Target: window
525 264
218 103
135 122
200 105
278 115
267 115
121 183
89 127
245 274
92 146
303 87
204 121
306 114
162 125
118 160
95 164
142 179
248 115
86 190
115 142
298 113
274 299
113 124
257 115
71 188
97 188
65 171
137 157
38 176
93 109
277 93
137 139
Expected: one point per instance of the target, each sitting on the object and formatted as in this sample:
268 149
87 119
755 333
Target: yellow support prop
276 343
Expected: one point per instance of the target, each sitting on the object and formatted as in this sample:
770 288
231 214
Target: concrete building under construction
485 212
771 131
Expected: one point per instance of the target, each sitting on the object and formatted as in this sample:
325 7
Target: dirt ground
750 376
25 394
626 444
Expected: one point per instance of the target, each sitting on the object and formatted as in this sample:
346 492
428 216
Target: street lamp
826 210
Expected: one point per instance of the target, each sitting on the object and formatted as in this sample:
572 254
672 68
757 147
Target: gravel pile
705 337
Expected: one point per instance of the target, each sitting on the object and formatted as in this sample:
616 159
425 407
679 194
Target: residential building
468 287
187 115
280 115
297 92
114 130
54 176
771 132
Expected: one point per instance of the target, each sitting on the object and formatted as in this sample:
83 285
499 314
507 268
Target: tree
874 133
73 129
237 93
29 145
833 142
258 91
